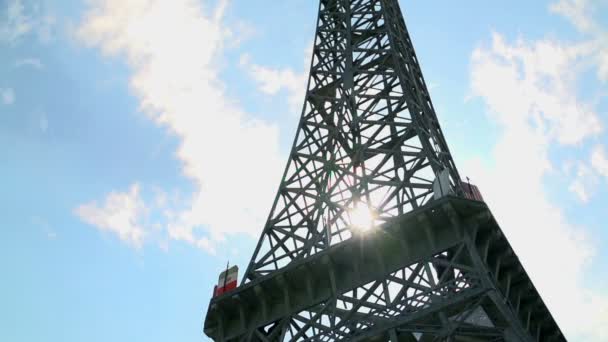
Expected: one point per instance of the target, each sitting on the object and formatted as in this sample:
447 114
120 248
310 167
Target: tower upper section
368 146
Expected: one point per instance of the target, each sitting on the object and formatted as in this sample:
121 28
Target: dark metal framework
434 268
368 135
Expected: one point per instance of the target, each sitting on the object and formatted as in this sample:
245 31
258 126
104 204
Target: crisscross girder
368 136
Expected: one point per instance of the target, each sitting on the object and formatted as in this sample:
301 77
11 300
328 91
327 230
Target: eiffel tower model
372 235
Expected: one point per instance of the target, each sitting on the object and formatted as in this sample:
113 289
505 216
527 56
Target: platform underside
444 272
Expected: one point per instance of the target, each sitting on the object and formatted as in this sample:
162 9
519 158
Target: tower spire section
368 136
372 236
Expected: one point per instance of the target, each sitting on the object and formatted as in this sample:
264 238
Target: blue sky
142 143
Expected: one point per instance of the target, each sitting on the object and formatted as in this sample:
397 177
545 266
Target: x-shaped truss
418 297
368 136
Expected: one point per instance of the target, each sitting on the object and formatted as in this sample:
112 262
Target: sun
362 217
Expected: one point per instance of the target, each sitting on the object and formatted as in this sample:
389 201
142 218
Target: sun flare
362 217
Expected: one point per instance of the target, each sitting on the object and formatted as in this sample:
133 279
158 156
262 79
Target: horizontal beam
406 240
363 258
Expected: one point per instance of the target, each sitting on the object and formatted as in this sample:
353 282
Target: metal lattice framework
404 292
435 267
368 135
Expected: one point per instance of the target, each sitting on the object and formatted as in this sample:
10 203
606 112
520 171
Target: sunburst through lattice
368 136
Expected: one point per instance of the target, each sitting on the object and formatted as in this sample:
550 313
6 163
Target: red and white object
471 192
227 281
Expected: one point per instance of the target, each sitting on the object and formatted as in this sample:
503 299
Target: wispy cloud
17 20
584 183
599 161
7 96
589 174
29 62
581 14
45 226
233 159
271 80
529 88
121 214
15 23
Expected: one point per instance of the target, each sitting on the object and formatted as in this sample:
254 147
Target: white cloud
174 49
581 14
17 20
529 89
15 23
588 173
31 62
542 76
186 233
7 95
272 80
583 186
599 161
240 31
578 12
120 214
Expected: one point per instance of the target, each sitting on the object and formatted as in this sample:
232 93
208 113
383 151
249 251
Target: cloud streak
120 214
29 62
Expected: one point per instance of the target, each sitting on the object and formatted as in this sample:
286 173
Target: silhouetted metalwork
427 263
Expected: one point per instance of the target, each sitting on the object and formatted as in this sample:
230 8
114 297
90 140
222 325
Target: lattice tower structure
420 265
